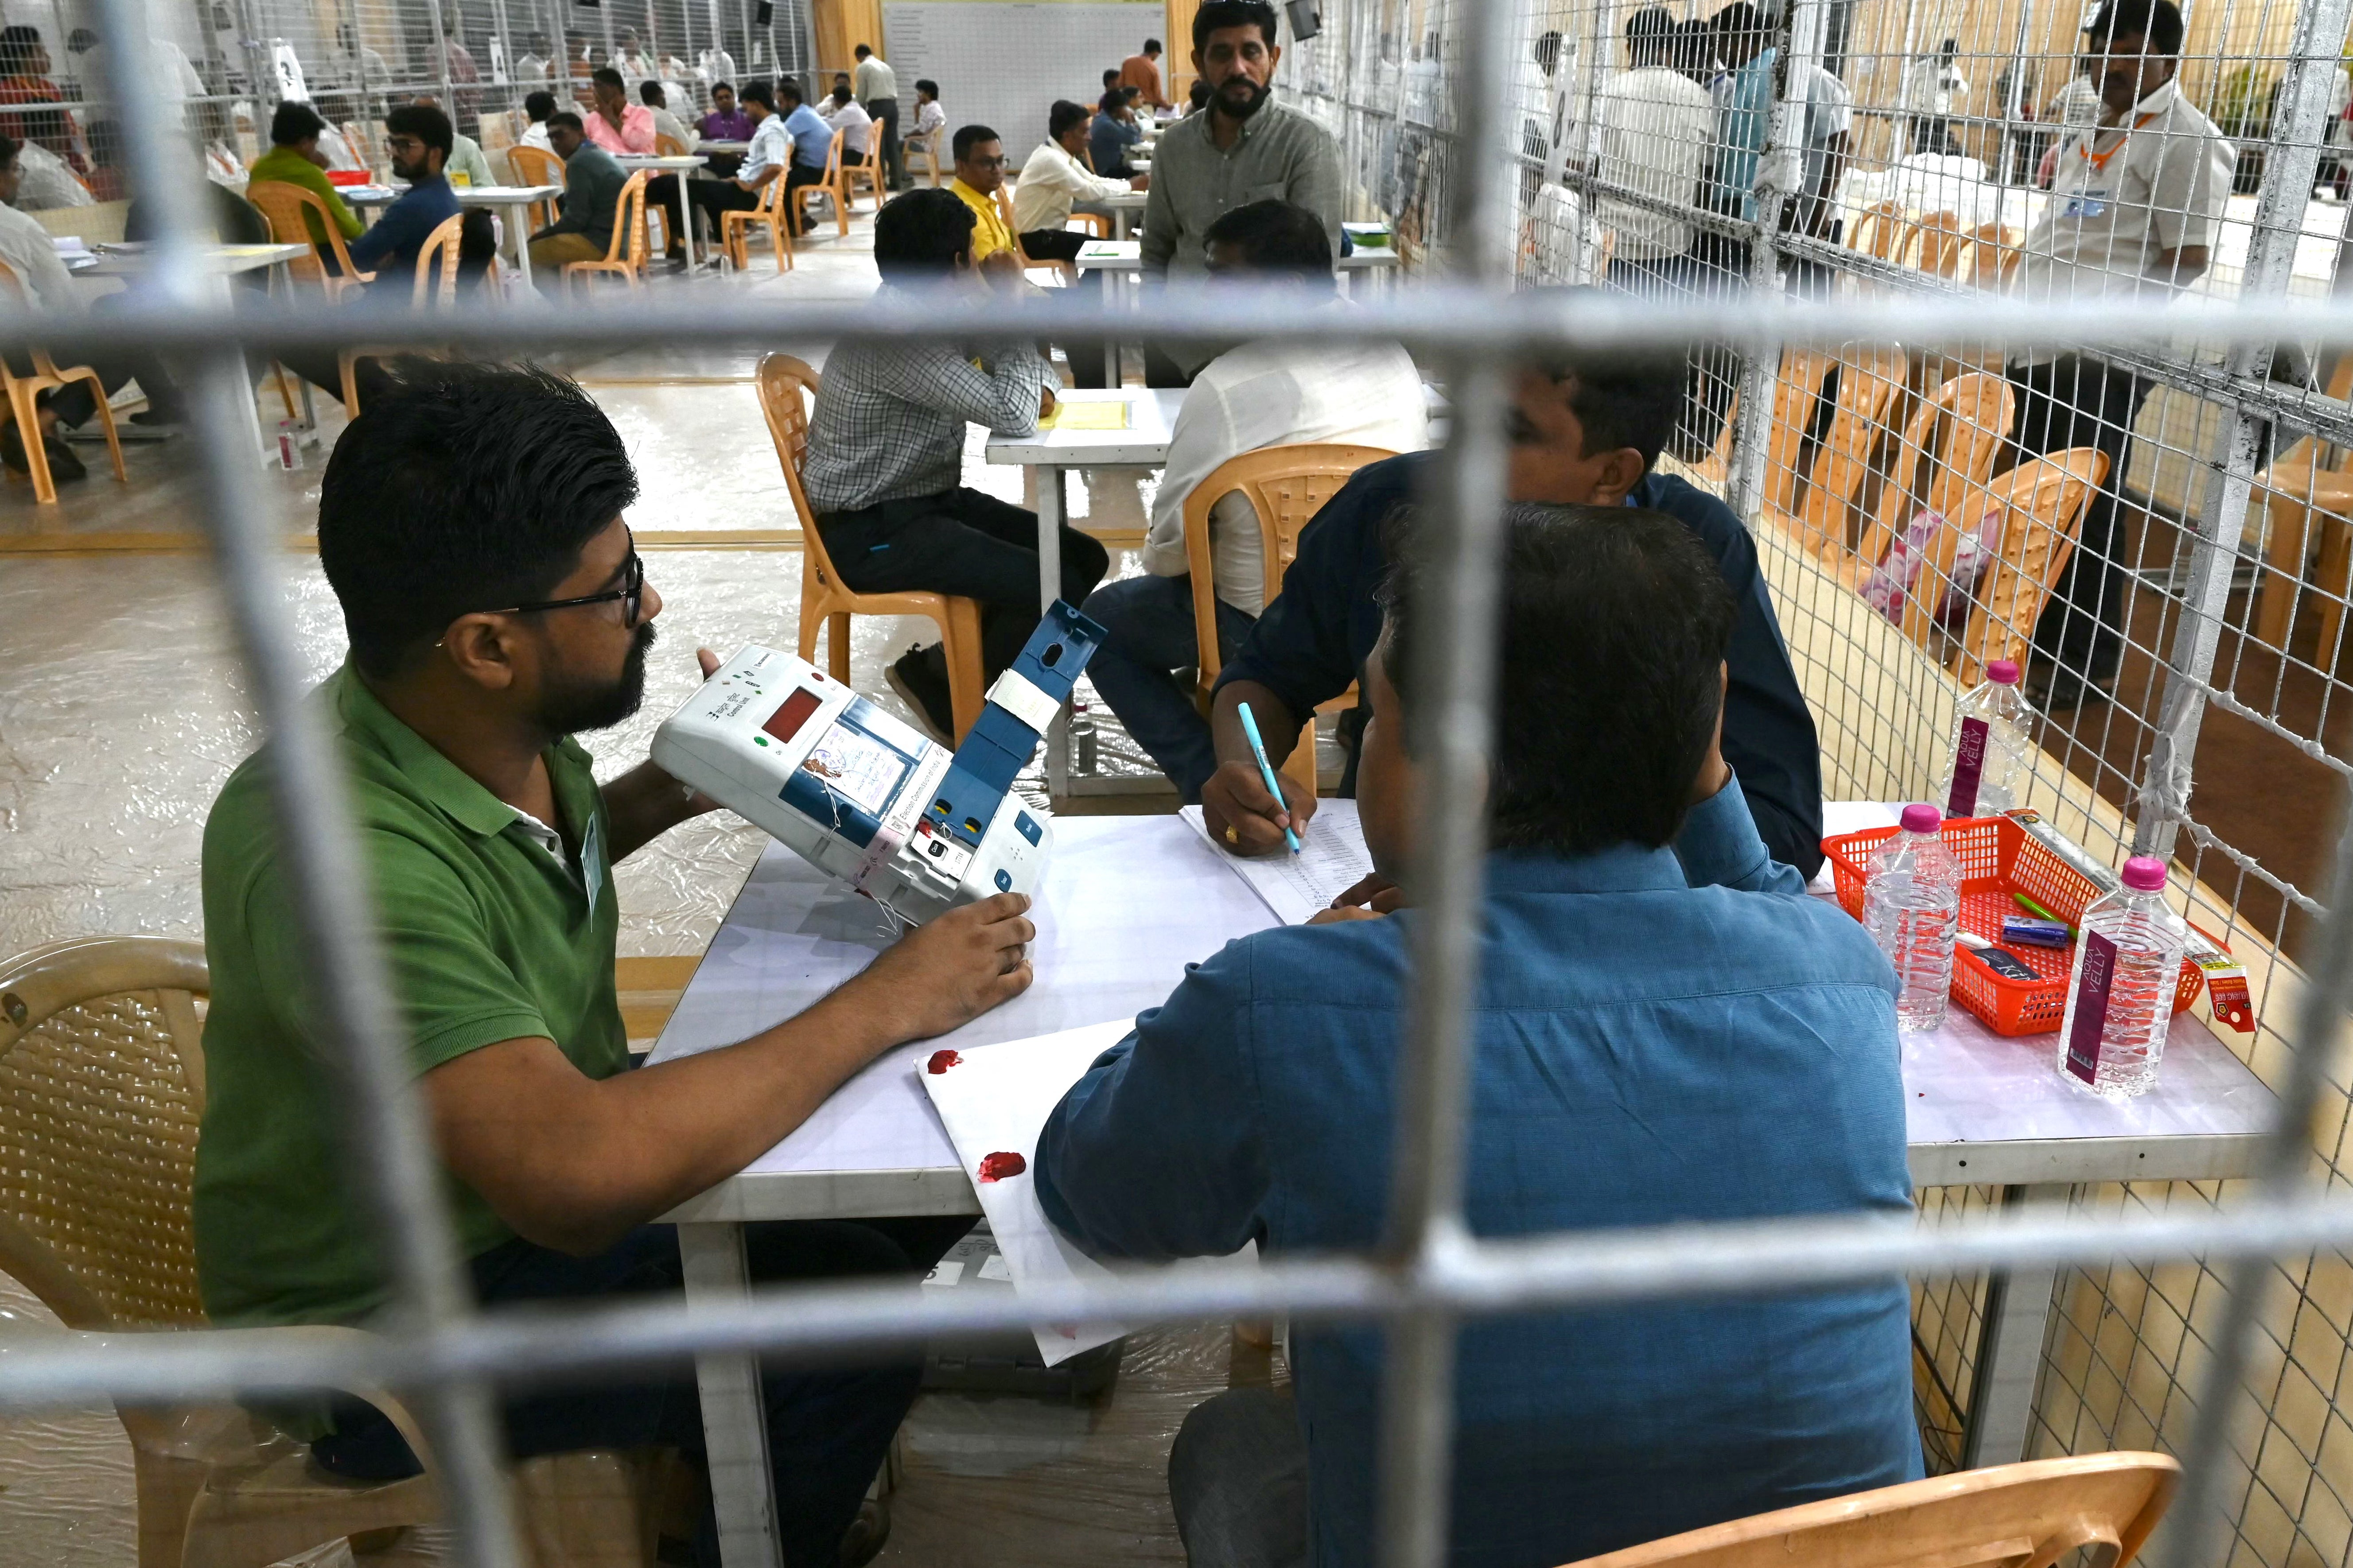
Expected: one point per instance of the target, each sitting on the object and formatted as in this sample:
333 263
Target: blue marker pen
1266 769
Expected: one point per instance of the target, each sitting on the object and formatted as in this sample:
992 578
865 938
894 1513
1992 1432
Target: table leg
519 217
2010 1350
1119 223
685 218
734 1419
1049 588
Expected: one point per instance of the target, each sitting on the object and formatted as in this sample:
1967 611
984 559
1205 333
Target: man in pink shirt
616 124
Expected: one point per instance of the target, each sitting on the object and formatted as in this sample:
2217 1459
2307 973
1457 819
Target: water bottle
2120 996
1912 906
1988 769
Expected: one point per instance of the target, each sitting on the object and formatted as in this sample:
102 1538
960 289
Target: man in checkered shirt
886 451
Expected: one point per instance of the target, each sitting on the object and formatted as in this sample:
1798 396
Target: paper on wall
994 1101
1331 858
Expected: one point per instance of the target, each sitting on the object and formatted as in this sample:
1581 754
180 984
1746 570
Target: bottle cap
2144 873
1922 819
2003 672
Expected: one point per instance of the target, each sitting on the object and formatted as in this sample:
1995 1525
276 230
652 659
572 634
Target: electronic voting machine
914 826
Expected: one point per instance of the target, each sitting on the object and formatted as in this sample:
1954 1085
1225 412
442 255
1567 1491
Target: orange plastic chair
669 147
736 228
287 207
101 1090
1285 486
430 290
2307 489
867 169
625 257
1947 454
911 145
23 403
787 388
2042 505
1067 272
834 183
537 166
1869 379
1878 231
1995 251
1936 245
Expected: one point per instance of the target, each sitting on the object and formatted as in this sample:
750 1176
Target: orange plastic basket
1998 858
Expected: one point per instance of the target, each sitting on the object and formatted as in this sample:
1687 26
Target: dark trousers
1062 245
885 111
1151 637
828 1430
2077 402
961 542
1238 1482
661 196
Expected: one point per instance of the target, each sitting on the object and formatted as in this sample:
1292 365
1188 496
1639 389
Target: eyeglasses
632 593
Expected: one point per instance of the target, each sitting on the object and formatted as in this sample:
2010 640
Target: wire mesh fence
2147 526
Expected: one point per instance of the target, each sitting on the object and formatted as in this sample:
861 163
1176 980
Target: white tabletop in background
468 195
658 160
1152 417
120 260
1127 901
723 146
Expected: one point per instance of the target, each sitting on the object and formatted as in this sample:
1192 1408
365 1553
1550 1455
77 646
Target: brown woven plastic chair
1285 486
2010 1516
24 394
787 387
101 1093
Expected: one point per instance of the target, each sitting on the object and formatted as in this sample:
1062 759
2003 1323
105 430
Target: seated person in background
886 451
615 123
466 164
1587 427
294 159
725 122
417 138
1197 96
656 102
931 120
592 196
846 114
979 174
343 158
1667 1030
778 153
1258 395
463 490
1054 183
1112 133
31 255
537 106
25 78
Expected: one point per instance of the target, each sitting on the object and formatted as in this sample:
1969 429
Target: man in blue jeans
1667 1030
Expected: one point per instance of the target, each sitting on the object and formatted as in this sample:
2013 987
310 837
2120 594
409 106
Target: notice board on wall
1003 64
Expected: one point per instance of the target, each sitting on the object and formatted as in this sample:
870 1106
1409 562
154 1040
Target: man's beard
571 707
1257 95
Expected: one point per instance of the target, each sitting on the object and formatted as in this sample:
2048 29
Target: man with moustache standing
1246 149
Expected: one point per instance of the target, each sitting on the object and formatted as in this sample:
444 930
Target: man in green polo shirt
469 523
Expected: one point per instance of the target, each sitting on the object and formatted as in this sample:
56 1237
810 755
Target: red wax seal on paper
998 1167
941 1061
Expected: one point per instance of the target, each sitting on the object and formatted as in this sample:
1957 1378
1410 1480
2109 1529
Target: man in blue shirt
1667 1030
1585 428
791 146
417 137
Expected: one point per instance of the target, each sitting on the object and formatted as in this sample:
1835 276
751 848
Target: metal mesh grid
1512 173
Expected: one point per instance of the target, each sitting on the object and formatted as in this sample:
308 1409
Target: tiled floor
123 710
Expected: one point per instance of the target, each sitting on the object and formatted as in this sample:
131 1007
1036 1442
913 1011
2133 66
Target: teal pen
1265 769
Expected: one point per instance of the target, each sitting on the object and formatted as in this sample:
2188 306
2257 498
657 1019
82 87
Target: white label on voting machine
994 1102
1331 858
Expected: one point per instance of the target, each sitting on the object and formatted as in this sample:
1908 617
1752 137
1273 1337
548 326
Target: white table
1151 418
679 165
514 202
1126 903
133 260
1124 202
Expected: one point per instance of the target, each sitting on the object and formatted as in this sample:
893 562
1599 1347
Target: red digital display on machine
786 722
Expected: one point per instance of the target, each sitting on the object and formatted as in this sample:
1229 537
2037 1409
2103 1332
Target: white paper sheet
1331 858
995 1100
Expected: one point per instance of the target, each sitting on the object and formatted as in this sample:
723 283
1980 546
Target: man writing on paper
1585 428
1667 1030
471 524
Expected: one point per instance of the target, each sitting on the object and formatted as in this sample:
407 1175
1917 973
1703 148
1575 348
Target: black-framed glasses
632 593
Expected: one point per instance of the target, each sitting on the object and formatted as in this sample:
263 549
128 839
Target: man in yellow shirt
979 171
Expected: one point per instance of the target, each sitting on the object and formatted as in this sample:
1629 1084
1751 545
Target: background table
514 202
1152 415
679 165
1121 205
1126 903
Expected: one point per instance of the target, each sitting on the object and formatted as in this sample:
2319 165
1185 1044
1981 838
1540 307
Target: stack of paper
1331 858
994 1101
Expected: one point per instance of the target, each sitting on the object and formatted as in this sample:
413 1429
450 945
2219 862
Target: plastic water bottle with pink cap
1912 907
2120 996
1988 769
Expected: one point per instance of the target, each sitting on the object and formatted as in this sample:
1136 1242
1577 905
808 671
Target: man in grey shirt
592 192
1244 149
